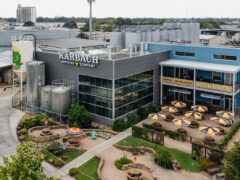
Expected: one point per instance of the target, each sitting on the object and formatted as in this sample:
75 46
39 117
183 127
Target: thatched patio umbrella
225 114
156 116
221 121
209 130
178 104
181 121
199 108
170 109
193 115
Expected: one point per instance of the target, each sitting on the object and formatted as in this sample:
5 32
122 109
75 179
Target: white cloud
127 8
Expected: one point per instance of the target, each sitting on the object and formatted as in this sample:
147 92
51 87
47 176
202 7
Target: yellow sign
183 82
216 87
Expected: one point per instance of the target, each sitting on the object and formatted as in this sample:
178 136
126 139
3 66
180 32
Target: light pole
90 19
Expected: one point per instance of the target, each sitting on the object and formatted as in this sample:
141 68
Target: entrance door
179 96
228 104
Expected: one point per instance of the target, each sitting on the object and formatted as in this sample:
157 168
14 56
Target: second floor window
224 57
217 76
187 54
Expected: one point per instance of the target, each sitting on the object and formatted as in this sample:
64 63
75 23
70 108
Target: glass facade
132 92
96 95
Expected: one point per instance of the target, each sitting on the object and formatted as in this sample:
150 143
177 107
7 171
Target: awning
201 66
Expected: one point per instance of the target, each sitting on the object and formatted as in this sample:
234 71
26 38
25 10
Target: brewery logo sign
78 59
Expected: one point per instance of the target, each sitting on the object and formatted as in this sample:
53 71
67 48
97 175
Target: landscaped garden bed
183 158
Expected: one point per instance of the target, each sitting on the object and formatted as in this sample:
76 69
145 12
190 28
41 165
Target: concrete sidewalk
95 151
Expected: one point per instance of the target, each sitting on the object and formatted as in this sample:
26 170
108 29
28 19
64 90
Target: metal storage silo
172 34
117 39
164 35
46 97
149 36
35 81
132 38
60 99
179 34
155 36
196 33
185 32
22 53
191 32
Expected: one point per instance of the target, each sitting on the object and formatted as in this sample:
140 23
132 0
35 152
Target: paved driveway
8 122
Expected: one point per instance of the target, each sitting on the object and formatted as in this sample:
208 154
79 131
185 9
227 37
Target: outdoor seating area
194 121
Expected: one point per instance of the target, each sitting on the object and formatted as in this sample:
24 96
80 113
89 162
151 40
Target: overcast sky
127 8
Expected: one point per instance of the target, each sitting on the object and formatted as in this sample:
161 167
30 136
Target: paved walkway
96 150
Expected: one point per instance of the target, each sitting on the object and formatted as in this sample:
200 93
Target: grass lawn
69 155
89 170
184 158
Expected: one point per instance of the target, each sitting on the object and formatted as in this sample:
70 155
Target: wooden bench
213 168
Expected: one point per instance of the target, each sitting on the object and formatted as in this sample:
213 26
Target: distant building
25 14
212 40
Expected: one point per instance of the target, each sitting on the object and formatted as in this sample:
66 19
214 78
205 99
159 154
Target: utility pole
90 19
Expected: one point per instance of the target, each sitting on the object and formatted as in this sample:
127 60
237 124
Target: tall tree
79 116
70 24
25 165
231 161
97 26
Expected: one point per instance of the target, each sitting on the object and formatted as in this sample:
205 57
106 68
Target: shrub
142 112
24 131
203 162
153 108
216 156
119 125
28 123
73 171
229 136
137 131
121 162
163 158
58 163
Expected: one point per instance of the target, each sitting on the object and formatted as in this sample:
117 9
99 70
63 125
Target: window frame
224 59
185 54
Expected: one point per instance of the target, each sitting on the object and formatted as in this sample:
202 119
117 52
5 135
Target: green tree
70 24
120 21
97 26
25 165
162 21
82 35
108 27
28 24
85 28
231 162
79 116
142 112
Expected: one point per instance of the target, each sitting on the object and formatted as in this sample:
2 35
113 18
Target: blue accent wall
202 53
238 100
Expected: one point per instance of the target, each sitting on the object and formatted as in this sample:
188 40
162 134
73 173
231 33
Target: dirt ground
88 143
62 132
110 172
195 132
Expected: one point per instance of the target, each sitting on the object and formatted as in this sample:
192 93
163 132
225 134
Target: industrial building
5 65
204 75
185 32
26 14
112 83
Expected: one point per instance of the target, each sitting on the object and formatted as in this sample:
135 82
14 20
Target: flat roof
206 37
5 57
201 66
70 43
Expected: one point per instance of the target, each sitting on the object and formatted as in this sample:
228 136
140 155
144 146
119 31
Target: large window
217 76
132 92
224 57
96 95
181 53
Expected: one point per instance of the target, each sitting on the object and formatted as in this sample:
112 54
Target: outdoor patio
194 132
